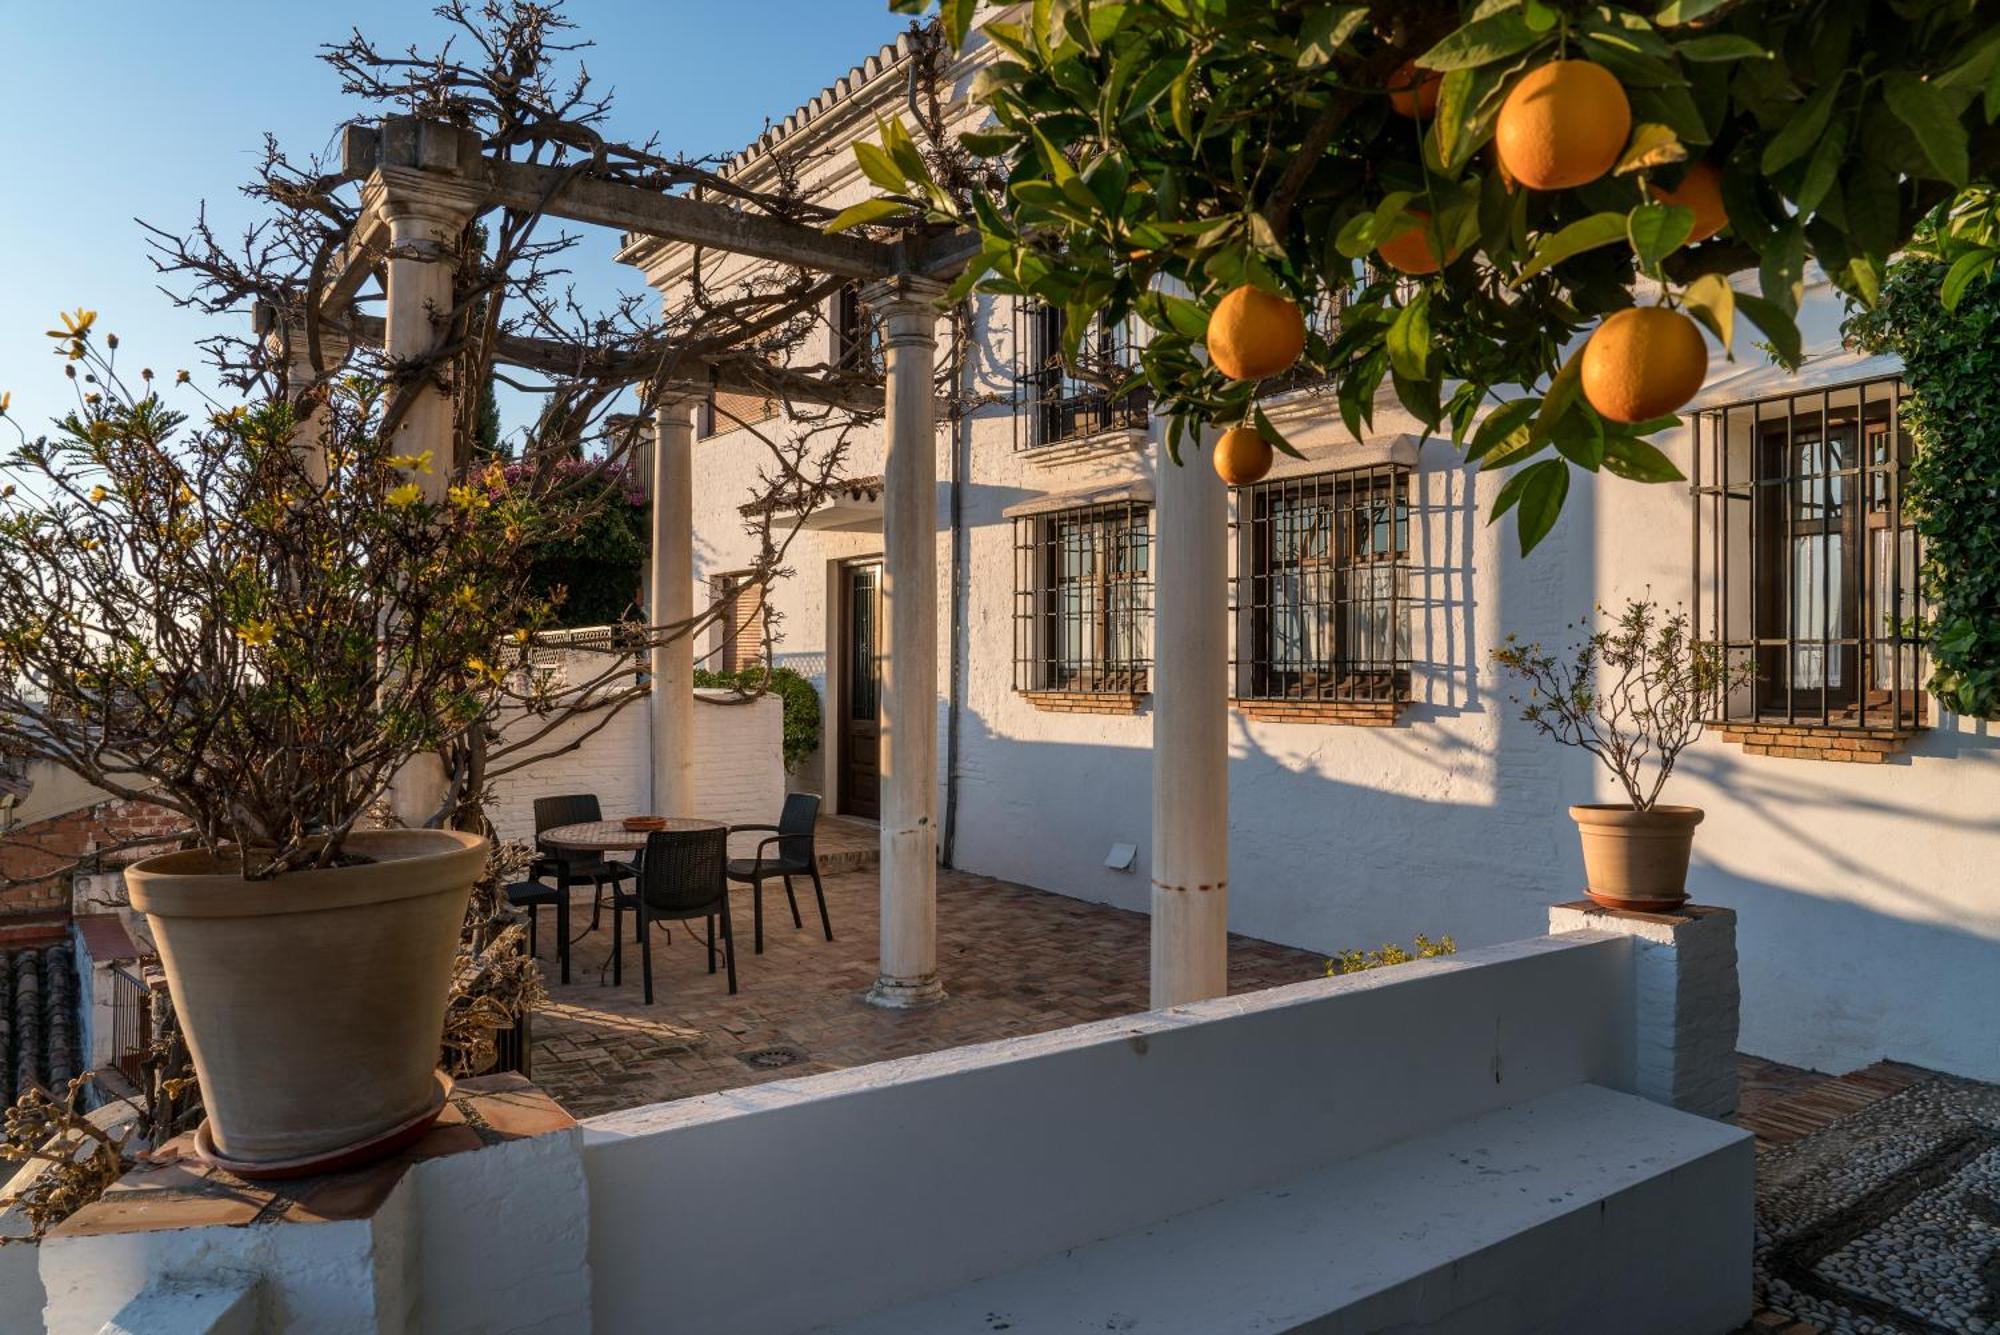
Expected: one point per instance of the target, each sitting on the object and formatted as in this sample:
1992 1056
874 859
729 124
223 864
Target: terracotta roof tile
38 1018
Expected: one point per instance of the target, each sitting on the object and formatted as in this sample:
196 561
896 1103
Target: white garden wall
738 762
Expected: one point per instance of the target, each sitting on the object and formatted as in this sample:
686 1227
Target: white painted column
670 583
426 214
908 970
1190 729
309 439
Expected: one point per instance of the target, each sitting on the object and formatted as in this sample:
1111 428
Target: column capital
903 295
674 404
410 194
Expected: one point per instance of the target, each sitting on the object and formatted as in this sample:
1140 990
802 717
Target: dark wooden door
861 691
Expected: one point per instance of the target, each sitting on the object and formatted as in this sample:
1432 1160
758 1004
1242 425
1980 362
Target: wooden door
861 690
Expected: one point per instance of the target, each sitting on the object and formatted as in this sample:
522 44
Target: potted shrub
1633 695
203 617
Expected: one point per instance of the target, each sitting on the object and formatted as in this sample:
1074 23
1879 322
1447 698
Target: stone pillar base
905 994
1685 1000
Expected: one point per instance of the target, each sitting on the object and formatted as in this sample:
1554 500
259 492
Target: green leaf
1600 229
1274 437
1972 264
1801 132
1409 339
1481 42
877 166
1929 116
1651 145
987 143
1777 324
1538 491
1721 46
1637 460
1711 300
957 16
1326 31
867 211
1501 427
903 150
1686 11
1824 169
1781 270
1656 231
1863 277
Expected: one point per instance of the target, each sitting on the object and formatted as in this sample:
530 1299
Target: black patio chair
680 879
789 852
534 896
571 867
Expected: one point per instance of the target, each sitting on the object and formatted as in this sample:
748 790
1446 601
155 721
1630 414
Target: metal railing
1050 404
1083 600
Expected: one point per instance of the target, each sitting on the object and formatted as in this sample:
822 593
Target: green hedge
801 701
1951 364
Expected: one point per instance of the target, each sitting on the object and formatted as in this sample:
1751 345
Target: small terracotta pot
313 1003
1636 860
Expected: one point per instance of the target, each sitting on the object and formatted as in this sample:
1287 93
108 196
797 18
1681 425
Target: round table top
605 836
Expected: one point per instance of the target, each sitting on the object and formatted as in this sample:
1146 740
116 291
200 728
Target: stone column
908 977
309 439
426 213
1190 730
670 585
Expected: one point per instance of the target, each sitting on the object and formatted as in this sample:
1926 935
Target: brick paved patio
1014 961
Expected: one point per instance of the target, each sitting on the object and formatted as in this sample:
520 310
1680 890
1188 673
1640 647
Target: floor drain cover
771 1058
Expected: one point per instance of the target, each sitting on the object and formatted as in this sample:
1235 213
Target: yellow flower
6 397
419 462
467 597
256 634
180 377
469 498
75 326
405 496
97 495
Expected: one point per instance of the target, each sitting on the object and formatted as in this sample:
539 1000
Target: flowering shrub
201 613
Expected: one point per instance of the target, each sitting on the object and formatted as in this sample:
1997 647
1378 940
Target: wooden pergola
423 182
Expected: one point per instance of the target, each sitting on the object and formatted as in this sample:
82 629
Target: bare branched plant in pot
199 612
1635 695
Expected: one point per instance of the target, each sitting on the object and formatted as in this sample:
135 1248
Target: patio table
611 836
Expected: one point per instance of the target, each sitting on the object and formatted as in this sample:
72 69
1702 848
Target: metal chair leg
728 944
793 900
757 913
534 950
820 891
617 943
645 950
711 943
562 932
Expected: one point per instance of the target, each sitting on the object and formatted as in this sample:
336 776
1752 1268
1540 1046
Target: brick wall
1086 702
37 853
1808 741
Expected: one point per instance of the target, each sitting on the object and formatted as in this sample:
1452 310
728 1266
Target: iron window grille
857 335
1322 318
1050 404
1321 596
1083 600
1805 562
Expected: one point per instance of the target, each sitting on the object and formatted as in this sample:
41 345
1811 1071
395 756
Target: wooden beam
733 374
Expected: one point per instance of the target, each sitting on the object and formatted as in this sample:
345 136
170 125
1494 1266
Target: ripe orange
1563 125
1413 93
1254 334
1410 250
1642 363
1242 456
1700 190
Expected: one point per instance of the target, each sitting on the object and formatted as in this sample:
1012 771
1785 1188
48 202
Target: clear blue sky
126 109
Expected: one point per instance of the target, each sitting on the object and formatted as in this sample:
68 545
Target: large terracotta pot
1636 859
313 1004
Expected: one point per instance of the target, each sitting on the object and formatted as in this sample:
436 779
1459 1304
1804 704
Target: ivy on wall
1951 363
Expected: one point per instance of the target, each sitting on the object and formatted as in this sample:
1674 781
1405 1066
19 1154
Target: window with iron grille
1050 404
1805 563
1083 600
1322 318
857 335
1321 596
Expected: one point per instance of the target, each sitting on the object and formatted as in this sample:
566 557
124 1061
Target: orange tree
1481 184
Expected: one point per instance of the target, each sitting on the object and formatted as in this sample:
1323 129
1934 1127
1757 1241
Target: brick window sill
1334 713
1087 702
1812 741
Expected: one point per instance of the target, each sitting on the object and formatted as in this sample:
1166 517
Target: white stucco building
1380 782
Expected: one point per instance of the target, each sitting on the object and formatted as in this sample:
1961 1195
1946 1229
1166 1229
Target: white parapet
1685 1000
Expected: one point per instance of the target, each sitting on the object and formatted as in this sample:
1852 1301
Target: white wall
1868 923
738 758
